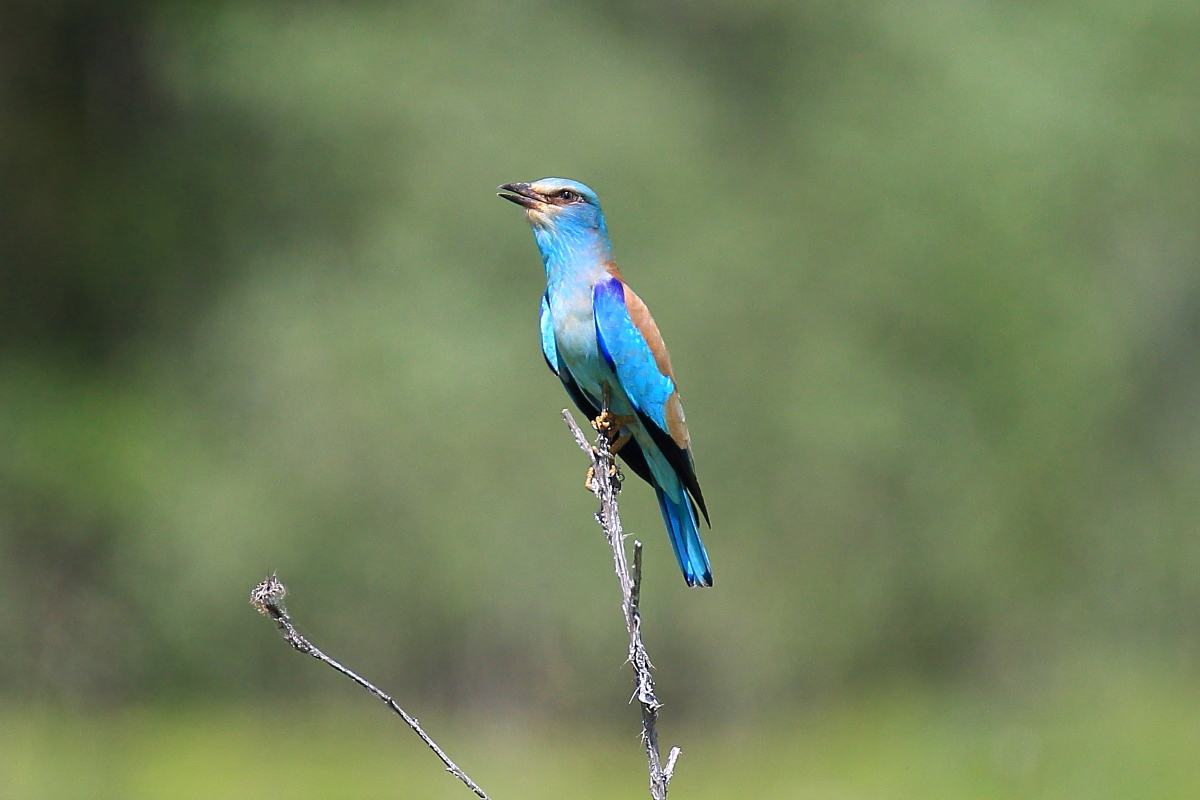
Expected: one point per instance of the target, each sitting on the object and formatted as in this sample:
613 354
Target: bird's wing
631 454
631 344
550 352
549 349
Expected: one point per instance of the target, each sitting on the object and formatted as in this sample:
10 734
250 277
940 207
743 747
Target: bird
599 339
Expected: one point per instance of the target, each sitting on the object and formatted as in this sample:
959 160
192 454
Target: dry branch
604 481
268 596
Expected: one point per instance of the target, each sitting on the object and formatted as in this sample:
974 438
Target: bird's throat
573 255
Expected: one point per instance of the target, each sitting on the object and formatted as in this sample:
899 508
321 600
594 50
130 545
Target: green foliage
927 273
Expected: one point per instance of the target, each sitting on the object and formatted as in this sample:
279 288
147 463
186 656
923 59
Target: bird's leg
614 471
620 441
614 428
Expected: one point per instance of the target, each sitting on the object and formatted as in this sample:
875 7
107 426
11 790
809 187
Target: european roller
599 339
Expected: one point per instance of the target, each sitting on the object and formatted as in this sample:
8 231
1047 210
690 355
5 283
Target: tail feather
683 526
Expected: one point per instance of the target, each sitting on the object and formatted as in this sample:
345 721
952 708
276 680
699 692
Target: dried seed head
267 597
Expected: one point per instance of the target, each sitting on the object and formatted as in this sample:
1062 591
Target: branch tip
267 597
672 757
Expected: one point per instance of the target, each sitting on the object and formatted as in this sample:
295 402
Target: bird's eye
567 196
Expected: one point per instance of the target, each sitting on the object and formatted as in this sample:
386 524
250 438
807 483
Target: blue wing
631 454
626 349
549 350
631 344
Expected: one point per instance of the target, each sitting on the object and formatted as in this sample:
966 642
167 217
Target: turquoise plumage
599 339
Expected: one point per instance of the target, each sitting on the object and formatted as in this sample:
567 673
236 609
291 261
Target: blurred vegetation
893 745
928 273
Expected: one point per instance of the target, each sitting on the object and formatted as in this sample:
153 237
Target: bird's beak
521 194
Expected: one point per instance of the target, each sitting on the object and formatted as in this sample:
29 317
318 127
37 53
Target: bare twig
267 598
604 482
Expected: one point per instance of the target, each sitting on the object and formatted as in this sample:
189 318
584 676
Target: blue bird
599 339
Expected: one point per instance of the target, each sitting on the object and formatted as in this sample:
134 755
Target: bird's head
556 203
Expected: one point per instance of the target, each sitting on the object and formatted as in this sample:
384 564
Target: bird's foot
609 422
614 475
613 428
611 425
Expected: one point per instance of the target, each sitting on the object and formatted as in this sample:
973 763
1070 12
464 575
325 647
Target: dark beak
520 193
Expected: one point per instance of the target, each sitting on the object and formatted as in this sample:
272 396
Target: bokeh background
929 275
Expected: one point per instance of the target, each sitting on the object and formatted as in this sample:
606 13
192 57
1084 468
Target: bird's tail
683 526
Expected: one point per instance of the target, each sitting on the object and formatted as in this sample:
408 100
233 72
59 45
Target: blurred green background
929 275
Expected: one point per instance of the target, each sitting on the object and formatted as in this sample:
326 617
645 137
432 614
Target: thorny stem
267 598
605 483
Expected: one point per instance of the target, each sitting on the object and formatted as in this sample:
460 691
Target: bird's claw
614 474
614 428
609 422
